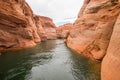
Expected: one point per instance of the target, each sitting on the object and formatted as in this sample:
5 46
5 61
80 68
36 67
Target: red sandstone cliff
96 34
49 27
111 62
40 30
93 28
18 26
63 31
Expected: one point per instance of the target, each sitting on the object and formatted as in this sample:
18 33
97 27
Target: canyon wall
63 30
49 27
111 62
45 27
96 35
18 26
93 28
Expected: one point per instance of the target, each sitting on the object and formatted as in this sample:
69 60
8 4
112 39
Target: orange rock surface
96 34
41 31
19 28
111 62
93 28
49 27
63 31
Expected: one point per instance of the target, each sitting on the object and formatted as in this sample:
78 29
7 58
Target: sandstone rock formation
96 35
49 27
63 31
40 30
111 62
19 28
94 27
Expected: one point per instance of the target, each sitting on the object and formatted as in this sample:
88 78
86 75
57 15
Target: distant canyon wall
63 31
96 35
20 28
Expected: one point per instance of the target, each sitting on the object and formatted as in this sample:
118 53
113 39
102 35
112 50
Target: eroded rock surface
20 28
17 27
49 27
63 31
96 35
93 28
111 62
41 31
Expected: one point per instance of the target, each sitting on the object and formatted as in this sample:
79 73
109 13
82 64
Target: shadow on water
50 60
85 69
15 65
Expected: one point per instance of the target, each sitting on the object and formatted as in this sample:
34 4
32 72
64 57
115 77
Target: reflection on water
50 60
84 69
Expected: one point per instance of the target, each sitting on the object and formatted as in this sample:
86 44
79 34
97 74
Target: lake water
50 60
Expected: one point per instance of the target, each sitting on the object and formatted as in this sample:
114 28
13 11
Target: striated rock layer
111 62
93 28
45 27
63 31
19 28
96 35
41 32
49 27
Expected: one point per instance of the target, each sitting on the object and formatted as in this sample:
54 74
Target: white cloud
56 9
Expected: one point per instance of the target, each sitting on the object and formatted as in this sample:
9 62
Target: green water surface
50 60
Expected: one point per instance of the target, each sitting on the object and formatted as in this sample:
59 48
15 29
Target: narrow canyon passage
51 60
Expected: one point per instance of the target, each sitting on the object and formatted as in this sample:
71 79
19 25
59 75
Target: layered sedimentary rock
63 31
49 27
96 35
40 30
94 27
17 26
20 28
111 62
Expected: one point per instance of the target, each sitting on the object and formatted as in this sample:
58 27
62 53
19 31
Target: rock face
111 62
49 27
63 31
96 35
19 28
93 28
40 30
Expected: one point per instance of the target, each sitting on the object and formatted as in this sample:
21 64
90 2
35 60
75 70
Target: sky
61 11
